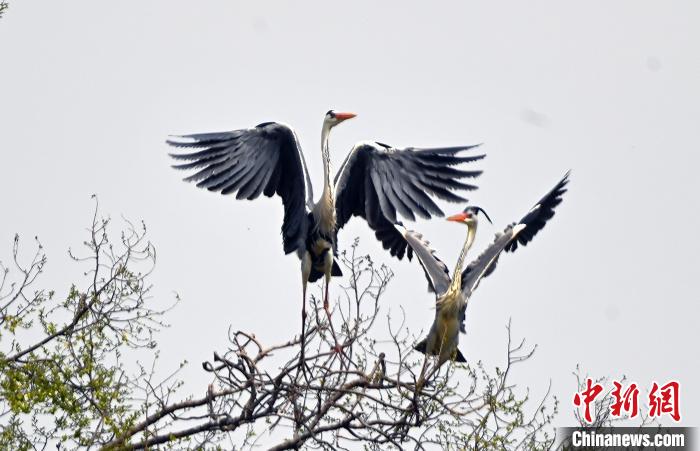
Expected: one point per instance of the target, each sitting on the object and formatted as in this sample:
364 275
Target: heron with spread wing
453 293
375 182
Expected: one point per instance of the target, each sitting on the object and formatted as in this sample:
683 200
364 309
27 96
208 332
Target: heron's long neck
326 205
326 155
457 275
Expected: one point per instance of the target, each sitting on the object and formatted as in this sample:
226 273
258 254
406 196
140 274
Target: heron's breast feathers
324 213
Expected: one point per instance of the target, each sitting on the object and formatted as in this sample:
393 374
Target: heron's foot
325 300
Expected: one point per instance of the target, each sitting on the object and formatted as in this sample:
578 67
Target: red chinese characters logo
625 400
664 400
586 397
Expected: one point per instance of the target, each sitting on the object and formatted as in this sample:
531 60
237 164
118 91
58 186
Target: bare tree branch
353 393
357 380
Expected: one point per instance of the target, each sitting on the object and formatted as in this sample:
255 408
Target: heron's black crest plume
476 210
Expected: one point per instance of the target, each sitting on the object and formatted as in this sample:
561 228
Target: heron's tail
422 346
316 274
459 357
335 271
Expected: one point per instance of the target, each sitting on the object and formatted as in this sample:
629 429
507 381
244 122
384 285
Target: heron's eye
468 215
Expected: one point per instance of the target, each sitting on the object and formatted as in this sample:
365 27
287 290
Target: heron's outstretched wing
435 270
265 159
376 181
523 231
527 227
539 214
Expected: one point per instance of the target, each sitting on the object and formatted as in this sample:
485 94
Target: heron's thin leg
302 351
336 348
303 314
305 272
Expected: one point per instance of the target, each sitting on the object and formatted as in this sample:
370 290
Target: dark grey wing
435 270
391 240
522 231
540 213
265 159
376 181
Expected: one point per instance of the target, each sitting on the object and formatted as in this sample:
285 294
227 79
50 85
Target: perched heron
452 294
374 182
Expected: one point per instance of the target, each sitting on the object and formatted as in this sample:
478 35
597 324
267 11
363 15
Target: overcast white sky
611 90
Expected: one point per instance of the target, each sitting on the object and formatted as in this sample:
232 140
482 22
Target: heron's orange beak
459 217
344 116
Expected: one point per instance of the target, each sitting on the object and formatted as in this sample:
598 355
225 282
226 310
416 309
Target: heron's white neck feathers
456 285
326 155
324 210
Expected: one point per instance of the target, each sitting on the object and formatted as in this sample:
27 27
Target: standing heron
453 294
374 182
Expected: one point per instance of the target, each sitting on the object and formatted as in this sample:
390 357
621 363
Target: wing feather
377 182
528 226
266 159
436 271
540 213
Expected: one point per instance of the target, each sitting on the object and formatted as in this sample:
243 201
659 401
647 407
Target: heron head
334 118
468 216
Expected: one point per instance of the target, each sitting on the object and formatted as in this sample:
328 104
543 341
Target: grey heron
374 182
453 293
